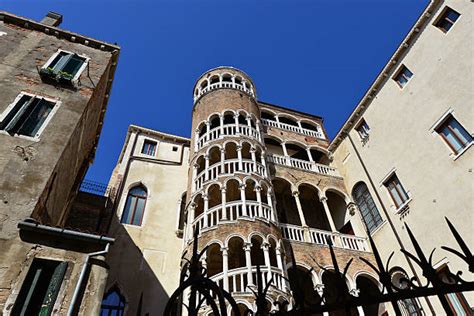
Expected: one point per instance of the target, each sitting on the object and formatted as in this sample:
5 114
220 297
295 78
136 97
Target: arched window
113 303
367 207
135 206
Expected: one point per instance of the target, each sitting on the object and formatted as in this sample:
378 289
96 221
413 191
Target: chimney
52 19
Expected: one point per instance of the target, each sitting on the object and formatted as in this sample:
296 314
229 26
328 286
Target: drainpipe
388 218
81 280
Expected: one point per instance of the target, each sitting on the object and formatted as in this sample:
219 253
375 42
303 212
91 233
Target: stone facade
40 173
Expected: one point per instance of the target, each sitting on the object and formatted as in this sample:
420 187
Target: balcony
226 168
227 130
321 237
242 86
293 128
233 211
302 165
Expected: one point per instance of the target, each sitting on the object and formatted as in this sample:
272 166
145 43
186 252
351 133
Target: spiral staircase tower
230 194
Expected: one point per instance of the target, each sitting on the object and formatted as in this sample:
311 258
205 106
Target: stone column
296 195
272 205
222 160
208 129
242 198
266 256
248 262
299 126
254 159
225 267
224 200
324 200
248 118
279 259
259 129
360 309
195 170
206 168
239 156
190 227
196 139
309 155
285 153
258 190
236 118
221 122
206 208
264 163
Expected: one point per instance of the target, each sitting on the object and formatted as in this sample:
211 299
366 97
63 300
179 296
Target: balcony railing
229 167
233 211
227 130
302 164
238 279
226 85
96 188
322 237
293 128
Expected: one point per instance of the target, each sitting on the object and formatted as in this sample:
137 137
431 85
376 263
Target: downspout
72 305
388 218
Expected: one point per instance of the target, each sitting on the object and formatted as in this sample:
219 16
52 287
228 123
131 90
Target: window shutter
53 290
62 63
20 110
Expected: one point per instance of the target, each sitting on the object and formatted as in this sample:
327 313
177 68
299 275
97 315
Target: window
367 207
447 19
408 306
396 190
402 76
454 134
134 206
64 67
40 289
175 148
149 147
113 303
27 116
457 301
363 129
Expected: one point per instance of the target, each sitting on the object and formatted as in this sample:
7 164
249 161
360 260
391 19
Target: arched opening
214 79
368 209
273 146
409 306
246 151
230 151
214 155
199 205
232 190
243 309
113 303
204 84
285 202
214 260
227 78
335 288
214 195
242 119
287 120
309 126
202 129
256 251
272 252
267 116
297 151
229 118
368 288
252 121
340 216
313 209
264 193
134 206
319 156
250 193
182 209
214 122
201 162
301 282
238 80
236 253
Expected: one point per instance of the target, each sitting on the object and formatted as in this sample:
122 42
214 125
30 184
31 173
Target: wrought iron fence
96 188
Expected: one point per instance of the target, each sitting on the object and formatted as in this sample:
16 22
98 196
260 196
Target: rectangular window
457 301
447 19
64 67
454 134
40 288
149 147
27 116
396 190
402 76
363 129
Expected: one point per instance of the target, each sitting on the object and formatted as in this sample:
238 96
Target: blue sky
316 56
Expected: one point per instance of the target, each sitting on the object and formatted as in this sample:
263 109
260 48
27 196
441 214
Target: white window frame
433 129
359 125
57 104
76 77
398 72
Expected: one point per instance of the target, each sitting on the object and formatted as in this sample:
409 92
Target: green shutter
53 290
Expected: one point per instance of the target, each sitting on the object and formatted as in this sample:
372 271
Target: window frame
370 211
399 208
443 17
145 198
360 127
76 77
57 103
400 71
155 146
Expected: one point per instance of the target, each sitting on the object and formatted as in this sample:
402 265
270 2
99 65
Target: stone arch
308 124
320 155
229 117
230 148
303 284
250 189
214 194
296 150
214 260
246 148
236 252
286 207
369 287
256 251
232 186
214 155
313 209
335 287
268 114
337 203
